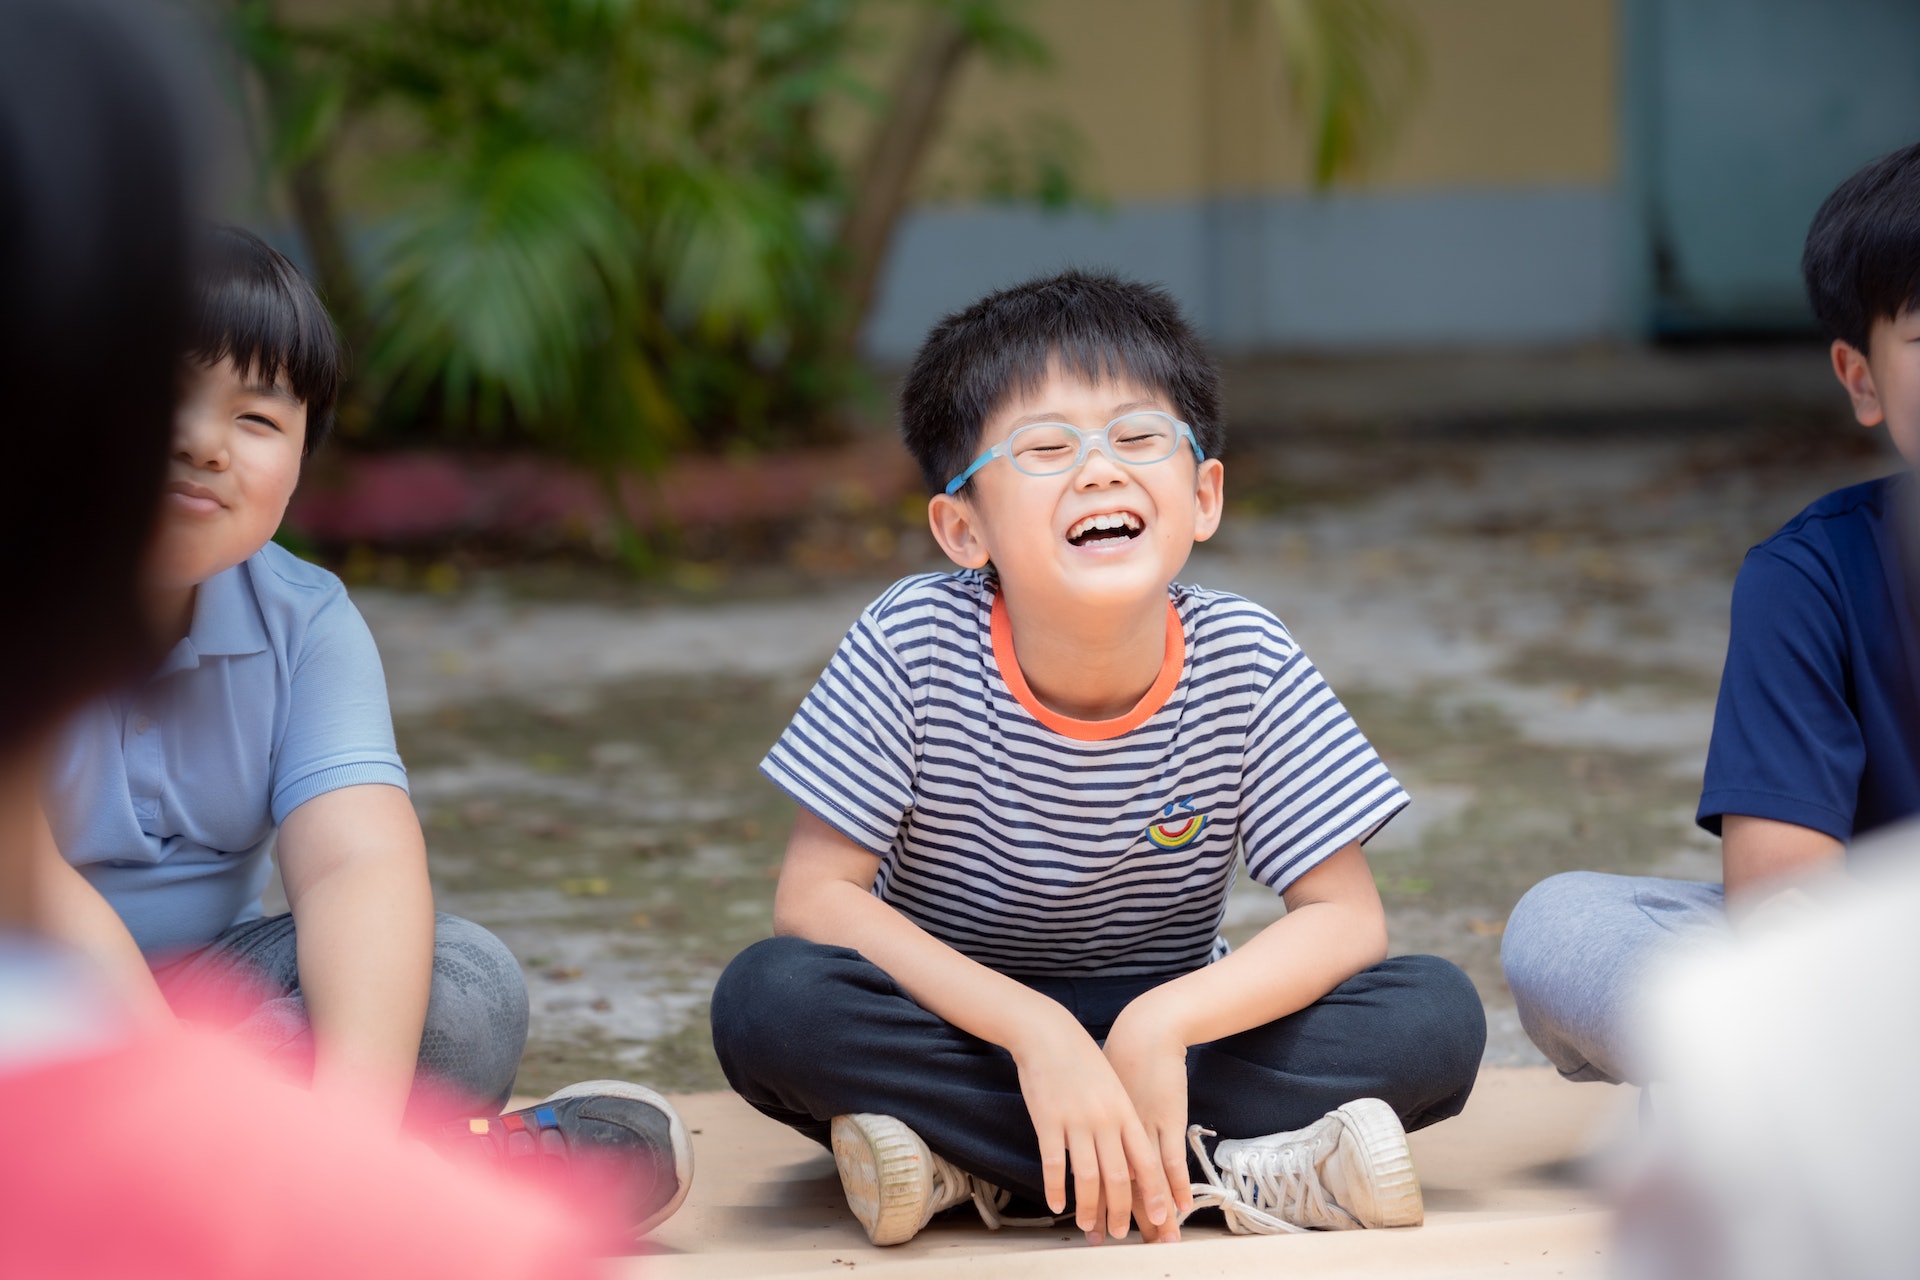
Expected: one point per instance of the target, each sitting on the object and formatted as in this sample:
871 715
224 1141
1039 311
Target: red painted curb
413 497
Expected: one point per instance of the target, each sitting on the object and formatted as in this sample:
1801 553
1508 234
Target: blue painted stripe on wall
1343 271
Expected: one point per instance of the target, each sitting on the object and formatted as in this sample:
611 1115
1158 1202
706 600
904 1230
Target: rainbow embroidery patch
1176 830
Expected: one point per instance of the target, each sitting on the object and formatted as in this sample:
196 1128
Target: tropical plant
617 227
615 219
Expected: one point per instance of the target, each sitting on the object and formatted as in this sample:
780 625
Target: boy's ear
1209 497
1850 366
957 530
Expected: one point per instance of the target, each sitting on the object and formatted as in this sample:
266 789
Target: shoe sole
1391 1183
676 1131
887 1174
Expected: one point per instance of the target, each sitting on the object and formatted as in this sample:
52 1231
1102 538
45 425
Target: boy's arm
355 868
1334 928
1760 855
1080 1111
68 909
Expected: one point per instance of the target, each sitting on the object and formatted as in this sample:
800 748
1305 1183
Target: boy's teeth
1115 520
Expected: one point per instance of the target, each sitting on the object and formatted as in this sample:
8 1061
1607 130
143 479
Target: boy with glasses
1023 786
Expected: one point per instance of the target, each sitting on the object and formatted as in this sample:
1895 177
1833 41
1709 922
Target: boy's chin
184 567
1115 586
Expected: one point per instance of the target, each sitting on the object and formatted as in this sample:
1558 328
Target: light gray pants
248 980
1577 951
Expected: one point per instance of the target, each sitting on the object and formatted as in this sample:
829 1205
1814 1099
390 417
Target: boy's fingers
1086 1178
1116 1183
1149 1177
1053 1168
1151 1232
1173 1158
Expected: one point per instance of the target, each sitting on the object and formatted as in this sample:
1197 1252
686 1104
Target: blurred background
1506 294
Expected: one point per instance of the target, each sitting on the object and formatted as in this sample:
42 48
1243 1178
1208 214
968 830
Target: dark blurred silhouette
146 1152
93 255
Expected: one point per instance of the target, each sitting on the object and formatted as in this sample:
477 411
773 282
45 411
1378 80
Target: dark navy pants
807 1032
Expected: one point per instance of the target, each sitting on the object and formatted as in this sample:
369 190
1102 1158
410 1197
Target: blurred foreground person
266 726
1782 1139
135 1148
1816 738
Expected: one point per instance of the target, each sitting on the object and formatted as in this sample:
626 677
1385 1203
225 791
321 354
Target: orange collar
1089 730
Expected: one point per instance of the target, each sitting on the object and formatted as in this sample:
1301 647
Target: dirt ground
1529 624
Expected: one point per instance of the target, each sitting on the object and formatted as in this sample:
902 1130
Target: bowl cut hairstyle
96 172
1096 326
1862 259
252 306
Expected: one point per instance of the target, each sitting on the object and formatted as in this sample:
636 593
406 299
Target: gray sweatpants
1577 951
247 980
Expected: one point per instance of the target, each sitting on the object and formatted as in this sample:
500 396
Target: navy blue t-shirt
1817 722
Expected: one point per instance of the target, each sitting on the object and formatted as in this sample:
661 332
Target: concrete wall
1493 216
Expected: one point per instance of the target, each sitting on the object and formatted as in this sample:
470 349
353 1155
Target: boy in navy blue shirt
1816 738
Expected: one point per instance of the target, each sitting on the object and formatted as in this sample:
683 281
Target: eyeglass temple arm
1199 454
953 485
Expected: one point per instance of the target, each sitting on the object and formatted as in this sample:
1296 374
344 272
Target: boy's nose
197 445
1099 468
204 454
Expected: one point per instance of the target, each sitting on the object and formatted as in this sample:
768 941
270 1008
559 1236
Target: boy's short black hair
1862 260
254 307
1096 325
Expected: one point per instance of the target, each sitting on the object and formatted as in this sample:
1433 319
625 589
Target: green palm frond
502 284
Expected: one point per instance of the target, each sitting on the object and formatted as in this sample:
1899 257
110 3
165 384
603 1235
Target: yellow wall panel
1185 98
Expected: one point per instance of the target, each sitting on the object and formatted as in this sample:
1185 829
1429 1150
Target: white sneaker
1350 1168
895 1185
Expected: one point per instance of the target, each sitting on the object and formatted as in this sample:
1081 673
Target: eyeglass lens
1049 448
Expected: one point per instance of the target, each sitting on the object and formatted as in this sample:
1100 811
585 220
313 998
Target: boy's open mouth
1107 527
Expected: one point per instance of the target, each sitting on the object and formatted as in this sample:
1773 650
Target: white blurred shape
1786 1117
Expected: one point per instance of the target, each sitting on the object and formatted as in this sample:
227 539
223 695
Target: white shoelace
1266 1182
987 1198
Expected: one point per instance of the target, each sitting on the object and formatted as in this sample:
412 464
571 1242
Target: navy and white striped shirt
1038 844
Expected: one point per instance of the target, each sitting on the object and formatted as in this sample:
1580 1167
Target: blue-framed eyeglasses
1055 448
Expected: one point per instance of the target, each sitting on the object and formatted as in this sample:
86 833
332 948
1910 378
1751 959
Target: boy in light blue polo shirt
266 727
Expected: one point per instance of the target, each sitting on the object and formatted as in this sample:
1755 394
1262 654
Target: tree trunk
314 212
892 162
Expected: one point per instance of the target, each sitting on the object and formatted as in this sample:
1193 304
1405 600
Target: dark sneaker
597 1137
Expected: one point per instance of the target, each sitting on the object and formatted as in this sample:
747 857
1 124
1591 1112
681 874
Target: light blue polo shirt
167 796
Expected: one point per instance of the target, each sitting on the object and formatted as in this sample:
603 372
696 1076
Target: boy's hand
1083 1116
1150 1061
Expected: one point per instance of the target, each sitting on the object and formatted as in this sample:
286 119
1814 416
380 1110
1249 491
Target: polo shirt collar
226 623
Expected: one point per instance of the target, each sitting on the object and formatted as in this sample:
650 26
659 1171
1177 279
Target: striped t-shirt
1041 845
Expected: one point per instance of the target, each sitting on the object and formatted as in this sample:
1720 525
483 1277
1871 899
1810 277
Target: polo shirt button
142 724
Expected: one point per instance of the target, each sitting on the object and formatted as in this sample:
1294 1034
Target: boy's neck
1088 664
170 609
